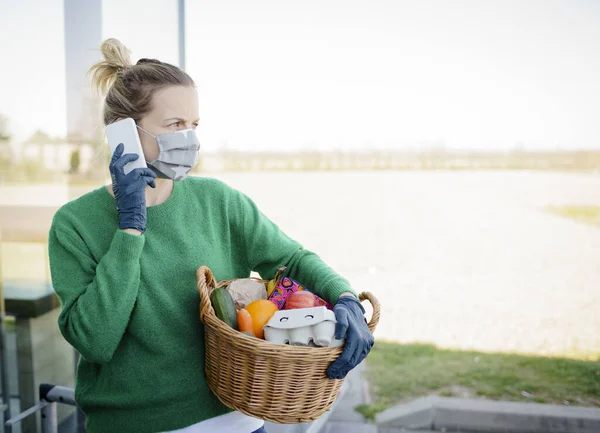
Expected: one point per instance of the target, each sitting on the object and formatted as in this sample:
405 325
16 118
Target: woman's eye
175 124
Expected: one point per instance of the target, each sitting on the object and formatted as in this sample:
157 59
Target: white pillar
181 32
83 37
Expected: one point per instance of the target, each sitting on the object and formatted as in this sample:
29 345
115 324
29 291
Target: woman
123 260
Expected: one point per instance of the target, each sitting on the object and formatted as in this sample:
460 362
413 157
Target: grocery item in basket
271 286
224 307
300 299
246 290
261 311
303 326
245 323
272 283
285 287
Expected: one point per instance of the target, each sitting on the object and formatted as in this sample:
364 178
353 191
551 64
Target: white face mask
178 154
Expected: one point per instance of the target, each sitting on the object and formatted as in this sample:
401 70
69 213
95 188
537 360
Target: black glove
351 323
130 190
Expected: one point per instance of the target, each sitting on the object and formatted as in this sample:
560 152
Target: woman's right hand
130 190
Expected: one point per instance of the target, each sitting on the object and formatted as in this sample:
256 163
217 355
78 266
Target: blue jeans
260 430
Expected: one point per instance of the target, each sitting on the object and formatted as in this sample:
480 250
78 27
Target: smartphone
124 131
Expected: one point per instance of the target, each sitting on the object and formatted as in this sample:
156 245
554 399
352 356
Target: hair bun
116 54
117 57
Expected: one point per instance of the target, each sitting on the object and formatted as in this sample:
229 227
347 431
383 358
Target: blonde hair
129 88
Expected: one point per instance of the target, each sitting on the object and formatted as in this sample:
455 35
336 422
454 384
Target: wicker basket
278 383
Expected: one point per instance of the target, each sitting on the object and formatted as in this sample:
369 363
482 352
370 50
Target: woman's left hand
351 323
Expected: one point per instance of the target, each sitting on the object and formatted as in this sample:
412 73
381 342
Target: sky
340 74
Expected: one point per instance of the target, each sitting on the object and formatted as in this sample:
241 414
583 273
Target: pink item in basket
285 287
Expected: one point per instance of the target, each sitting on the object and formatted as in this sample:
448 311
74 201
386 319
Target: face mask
178 154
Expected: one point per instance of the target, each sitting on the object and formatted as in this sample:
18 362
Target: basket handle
368 296
206 284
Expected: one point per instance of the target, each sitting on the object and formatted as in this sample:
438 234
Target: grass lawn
401 372
587 214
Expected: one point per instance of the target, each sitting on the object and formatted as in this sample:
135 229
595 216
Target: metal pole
3 367
79 418
8 426
3 350
49 419
60 394
181 14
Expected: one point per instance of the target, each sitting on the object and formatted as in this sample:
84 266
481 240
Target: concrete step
456 414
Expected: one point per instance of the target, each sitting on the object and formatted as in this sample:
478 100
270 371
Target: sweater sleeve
97 297
267 248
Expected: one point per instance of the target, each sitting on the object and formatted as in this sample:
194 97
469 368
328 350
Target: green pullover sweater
130 305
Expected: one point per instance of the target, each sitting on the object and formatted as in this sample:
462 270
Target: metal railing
50 395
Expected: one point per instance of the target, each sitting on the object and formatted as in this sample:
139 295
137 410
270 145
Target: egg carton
303 327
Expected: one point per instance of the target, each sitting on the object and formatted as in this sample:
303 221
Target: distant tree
4 131
75 161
